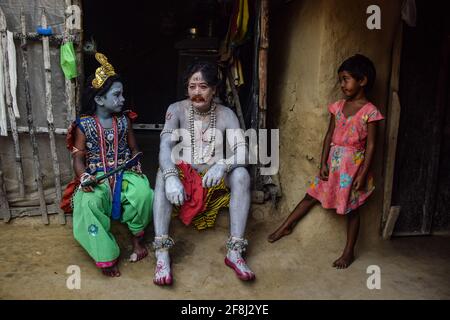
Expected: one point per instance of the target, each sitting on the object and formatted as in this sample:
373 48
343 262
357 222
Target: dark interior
150 45
422 169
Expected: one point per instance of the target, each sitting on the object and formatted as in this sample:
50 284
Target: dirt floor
34 259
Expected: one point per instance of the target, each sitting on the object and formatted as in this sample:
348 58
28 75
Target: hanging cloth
12 62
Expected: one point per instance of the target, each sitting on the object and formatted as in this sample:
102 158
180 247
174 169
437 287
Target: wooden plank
50 123
262 65
148 126
4 205
55 39
62 131
3 121
393 122
69 83
19 212
394 212
9 106
391 151
34 146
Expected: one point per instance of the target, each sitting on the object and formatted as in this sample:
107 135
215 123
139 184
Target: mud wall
309 40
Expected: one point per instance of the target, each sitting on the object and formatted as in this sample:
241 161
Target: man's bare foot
235 261
163 274
112 271
344 261
139 249
279 233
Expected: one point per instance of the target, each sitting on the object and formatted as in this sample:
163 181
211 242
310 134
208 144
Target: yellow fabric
217 197
242 21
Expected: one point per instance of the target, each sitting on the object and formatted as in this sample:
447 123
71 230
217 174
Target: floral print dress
345 158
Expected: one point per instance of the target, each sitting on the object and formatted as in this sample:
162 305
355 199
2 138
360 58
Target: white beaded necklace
208 152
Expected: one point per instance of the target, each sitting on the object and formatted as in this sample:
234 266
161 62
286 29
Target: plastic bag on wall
68 60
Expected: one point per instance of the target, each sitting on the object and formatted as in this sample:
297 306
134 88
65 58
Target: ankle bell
163 242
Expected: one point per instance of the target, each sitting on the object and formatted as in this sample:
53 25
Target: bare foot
279 233
235 261
344 261
163 273
139 249
112 271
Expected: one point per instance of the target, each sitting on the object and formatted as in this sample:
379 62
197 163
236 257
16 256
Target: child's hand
359 182
324 173
85 177
137 168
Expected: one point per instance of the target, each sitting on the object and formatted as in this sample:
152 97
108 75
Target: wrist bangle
227 165
164 131
84 176
170 172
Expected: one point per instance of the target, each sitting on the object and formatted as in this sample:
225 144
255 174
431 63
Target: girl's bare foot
279 233
112 271
139 249
344 261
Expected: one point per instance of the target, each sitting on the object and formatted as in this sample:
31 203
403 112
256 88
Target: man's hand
214 175
359 182
87 177
175 191
324 172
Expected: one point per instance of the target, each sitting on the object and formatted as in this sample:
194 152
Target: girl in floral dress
344 182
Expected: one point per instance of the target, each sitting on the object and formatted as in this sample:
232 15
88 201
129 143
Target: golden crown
102 73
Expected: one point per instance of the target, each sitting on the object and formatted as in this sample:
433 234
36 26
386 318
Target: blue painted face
112 100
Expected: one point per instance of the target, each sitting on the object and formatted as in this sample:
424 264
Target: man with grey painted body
202 124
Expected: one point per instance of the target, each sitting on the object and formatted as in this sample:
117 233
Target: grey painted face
112 100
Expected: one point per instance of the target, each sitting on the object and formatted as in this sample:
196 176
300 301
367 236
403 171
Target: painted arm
79 159
132 144
326 150
360 180
174 189
239 157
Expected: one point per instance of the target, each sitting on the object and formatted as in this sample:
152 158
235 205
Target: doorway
422 168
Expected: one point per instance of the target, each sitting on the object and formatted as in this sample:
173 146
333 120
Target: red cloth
66 201
195 194
131 114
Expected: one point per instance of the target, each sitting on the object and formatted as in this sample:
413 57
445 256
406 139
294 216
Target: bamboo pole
262 59
36 161
9 106
79 53
12 60
69 84
236 100
3 122
50 122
